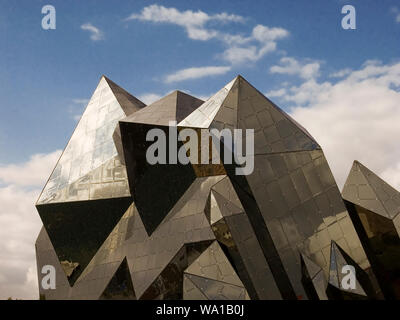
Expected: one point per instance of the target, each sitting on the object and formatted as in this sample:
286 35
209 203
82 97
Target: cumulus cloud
354 118
276 93
31 173
20 186
340 73
194 22
265 34
261 41
195 73
239 48
95 33
291 66
237 55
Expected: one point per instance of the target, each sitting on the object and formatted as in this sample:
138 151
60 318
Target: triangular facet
275 130
78 229
45 255
215 212
173 107
155 187
213 264
91 145
363 187
338 260
169 283
120 286
191 291
128 103
225 189
226 116
204 115
313 279
218 290
226 207
311 267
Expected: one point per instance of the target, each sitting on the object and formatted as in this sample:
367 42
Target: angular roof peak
108 104
366 189
128 102
239 105
175 106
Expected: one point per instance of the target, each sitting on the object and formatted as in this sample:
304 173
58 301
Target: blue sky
42 72
343 86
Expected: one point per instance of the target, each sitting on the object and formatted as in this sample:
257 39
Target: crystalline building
116 227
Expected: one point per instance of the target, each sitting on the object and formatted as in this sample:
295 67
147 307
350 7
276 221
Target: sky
343 85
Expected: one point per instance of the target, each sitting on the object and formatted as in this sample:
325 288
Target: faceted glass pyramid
88 192
118 226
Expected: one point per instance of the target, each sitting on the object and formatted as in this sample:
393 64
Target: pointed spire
364 188
204 115
276 130
338 260
128 103
91 146
240 105
120 286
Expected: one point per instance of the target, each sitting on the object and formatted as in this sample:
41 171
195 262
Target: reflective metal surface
116 227
375 210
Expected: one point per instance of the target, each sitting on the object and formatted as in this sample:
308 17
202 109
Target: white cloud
356 118
340 73
193 22
32 173
276 93
291 66
195 73
21 224
240 49
243 49
306 92
201 34
20 227
396 12
95 33
237 55
149 98
265 34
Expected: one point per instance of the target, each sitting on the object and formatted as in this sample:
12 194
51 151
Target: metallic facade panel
90 146
117 227
216 290
365 188
213 264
